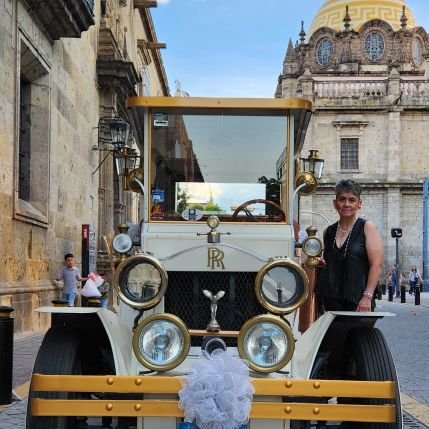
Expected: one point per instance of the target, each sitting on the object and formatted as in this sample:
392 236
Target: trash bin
6 355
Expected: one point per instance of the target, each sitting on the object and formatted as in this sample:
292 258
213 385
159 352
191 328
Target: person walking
414 278
69 274
353 254
391 280
104 290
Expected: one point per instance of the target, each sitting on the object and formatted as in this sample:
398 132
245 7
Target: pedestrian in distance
104 290
391 280
353 255
69 274
414 278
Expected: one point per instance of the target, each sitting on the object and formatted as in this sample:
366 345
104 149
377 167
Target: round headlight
312 246
140 281
122 243
161 342
281 286
266 342
213 222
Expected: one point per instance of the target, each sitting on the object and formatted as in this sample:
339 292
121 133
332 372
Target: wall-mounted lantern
114 131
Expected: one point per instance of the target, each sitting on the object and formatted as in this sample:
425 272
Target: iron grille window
349 154
325 51
24 140
374 46
34 130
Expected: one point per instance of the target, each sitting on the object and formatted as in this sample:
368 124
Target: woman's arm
374 250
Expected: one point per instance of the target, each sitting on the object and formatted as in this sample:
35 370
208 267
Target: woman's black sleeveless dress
343 280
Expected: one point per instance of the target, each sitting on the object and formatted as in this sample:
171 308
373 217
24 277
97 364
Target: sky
234 48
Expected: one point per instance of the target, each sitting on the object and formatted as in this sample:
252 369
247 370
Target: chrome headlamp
161 342
140 281
281 286
266 342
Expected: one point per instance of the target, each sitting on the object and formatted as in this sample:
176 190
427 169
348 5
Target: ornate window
349 153
325 51
417 50
374 46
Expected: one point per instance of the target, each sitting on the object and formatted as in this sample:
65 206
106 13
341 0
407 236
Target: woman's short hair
348 185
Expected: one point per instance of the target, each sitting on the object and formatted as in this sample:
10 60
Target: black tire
368 358
58 354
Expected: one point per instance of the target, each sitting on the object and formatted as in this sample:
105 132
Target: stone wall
36 234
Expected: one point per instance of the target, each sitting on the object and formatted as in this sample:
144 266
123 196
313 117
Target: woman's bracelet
368 294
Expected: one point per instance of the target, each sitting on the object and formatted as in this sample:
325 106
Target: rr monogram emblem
215 258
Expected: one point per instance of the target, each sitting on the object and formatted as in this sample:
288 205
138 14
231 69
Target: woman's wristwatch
368 294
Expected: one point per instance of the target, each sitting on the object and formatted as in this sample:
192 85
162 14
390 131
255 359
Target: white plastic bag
90 289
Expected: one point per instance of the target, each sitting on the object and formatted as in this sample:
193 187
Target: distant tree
209 207
182 199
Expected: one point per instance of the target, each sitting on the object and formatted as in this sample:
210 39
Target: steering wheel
280 217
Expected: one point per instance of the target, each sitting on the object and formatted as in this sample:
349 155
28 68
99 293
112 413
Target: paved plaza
407 335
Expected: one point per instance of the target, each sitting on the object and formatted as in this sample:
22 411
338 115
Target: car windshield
219 162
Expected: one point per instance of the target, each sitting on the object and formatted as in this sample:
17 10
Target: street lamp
397 234
118 130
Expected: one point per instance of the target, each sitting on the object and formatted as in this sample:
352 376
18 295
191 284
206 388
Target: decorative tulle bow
218 393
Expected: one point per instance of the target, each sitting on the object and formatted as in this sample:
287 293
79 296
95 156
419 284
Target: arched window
417 51
374 46
325 51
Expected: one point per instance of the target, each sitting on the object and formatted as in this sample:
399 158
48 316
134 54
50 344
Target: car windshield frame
211 161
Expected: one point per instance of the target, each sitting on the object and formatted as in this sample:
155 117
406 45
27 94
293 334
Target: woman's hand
364 304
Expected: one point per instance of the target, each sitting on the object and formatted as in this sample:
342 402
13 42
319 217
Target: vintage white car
215 274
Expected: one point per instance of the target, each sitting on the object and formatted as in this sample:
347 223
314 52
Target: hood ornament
213 325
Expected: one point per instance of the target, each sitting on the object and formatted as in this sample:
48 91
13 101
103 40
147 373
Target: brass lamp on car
312 246
309 170
140 281
122 242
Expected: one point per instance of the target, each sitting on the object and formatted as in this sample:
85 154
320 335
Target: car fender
331 323
119 335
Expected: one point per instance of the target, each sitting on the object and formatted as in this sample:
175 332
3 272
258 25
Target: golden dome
332 12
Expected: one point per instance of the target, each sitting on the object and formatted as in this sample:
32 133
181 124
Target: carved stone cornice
63 18
118 75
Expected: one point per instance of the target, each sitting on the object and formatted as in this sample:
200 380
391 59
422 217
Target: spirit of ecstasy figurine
213 325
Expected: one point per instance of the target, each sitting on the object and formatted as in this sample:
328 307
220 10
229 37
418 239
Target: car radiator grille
186 300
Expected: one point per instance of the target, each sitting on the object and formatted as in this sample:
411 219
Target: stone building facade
365 68
64 66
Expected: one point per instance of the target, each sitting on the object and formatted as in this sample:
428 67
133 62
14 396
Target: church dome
332 12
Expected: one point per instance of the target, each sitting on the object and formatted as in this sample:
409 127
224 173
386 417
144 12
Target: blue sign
158 196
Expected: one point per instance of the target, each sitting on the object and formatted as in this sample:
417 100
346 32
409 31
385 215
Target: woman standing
414 278
353 253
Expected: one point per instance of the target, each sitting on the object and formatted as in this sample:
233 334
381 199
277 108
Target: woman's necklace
340 232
